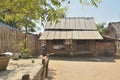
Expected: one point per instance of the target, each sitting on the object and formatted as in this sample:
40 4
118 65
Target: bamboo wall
117 43
106 48
9 40
97 48
73 48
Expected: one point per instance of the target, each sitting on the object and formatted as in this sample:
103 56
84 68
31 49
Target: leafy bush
23 51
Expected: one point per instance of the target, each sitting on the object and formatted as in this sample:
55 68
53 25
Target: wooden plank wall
9 40
106 47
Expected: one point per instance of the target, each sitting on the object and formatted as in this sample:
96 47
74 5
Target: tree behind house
24 13
102 28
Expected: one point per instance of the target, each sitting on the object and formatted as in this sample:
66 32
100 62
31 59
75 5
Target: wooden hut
114 32
77 35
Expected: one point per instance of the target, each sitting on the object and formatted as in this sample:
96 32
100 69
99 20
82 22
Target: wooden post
43 75
46 73
71 47
26 77
96 48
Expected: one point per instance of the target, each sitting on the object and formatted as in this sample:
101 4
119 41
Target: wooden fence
41 74
106 48
10 39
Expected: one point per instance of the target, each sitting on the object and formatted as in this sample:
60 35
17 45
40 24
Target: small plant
33 60
24 51
20 47
25 54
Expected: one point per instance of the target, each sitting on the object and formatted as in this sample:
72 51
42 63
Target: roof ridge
114 22
79 17
74 23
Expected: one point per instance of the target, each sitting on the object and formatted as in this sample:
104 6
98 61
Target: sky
107 11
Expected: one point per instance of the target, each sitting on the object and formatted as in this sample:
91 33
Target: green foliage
24 51
24 13
33 60
21 13
20 47
101 28
91 2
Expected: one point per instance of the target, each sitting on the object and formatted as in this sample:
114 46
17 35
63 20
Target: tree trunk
25 37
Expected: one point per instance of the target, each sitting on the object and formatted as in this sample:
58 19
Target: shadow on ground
4 74
51 74
84 59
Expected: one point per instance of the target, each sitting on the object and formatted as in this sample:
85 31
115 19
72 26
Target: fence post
46 73
43 75
26 77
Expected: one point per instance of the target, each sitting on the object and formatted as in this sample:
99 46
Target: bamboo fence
10 39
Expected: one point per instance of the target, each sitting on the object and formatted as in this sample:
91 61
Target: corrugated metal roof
73 23
50 35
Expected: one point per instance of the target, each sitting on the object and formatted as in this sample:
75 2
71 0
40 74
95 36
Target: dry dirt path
83 69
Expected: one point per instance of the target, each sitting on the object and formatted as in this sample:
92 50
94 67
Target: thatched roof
109 38
72 28
73 23
115 25
50 35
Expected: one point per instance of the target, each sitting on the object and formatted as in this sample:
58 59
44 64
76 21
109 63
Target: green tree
101 28
91 2
24 13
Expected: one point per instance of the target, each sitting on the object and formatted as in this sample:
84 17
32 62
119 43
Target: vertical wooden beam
26 77
46 73
43 73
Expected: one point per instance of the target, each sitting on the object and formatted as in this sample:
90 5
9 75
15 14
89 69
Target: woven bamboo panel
9 39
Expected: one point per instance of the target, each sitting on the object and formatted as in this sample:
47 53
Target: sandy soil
17 68
62 68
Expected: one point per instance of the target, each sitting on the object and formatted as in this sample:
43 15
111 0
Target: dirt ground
17 68
77 68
